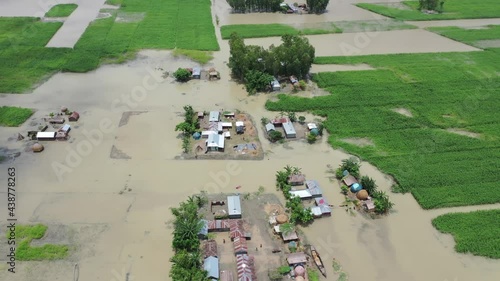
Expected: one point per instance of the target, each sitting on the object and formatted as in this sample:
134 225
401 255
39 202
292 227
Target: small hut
280 219
74 116
37 147
300 271
362 194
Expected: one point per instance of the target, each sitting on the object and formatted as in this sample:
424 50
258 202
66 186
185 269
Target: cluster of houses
245 266
197 73
361 194
310 189
61 133
283 122
217 131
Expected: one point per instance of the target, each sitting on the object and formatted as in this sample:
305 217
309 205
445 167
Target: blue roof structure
211 265
356 187
197 136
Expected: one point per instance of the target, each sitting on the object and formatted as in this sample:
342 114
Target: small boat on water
317 260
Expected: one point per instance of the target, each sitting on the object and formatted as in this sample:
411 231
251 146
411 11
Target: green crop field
269 30
442 91
453 9
469 36
61 10
154 24
14 116
476 232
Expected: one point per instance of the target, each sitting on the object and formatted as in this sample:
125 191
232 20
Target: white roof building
215 142
311 126
214 116
240 124
303 194
234 206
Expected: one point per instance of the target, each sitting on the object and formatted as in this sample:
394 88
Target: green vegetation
453 9
476 232
443 91
298 214
188 127
182 75
293 57
61 10
270 30
257 81
14 116
242 6
275 136
187 260
275 29
469 36
350 165
198 56
144 25
317 6
312 274
25 252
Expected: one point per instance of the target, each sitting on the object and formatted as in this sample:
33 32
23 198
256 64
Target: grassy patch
453 9
442 90
468 36
14 116
269 30
476 232
61 10
24 252
25 61
201 57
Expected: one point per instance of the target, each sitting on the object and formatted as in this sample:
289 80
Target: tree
382 202
186 128
292 116
317 6
351 165
264 120
306 216
321 127
182 75
368 184
185 144
432 5
287 228
257 81
302 119
237 60
296 171
294 56
275 136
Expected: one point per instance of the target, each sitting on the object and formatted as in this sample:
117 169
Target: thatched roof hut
37 147
362 194
280 219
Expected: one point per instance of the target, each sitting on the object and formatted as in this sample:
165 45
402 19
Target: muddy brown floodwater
120 206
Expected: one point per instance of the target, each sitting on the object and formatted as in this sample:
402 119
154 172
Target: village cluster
59 129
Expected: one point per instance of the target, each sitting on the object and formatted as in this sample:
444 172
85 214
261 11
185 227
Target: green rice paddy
469 36
14 116
154 24
61 10
25 252
442 91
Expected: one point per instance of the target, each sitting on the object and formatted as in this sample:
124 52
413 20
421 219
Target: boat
318 261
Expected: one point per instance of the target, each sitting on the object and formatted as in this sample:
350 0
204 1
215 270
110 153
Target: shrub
344 189
292 116
275 136
311 138
182 75
257 81
368 184
264 120
284 269
351 165
302 119
302 85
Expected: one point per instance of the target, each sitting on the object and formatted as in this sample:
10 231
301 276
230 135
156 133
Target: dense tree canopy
293 57
244 6
317 6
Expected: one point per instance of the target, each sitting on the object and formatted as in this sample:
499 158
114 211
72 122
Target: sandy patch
403 111
494 43
362 142
464 133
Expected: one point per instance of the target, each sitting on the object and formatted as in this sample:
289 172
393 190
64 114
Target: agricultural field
61 10
14 116
270 30
474 37
432 118
141 25
453 9
476 232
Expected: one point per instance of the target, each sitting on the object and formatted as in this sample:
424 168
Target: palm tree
288 169
287 228
296 171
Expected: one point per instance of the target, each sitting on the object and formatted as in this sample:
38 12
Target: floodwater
122 206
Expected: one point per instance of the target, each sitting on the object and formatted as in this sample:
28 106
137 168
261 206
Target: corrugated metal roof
245 268
234 205
296 258
211 264
289 129
270 127
214 116
226 275
240 246
210 249
303 194
204 228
